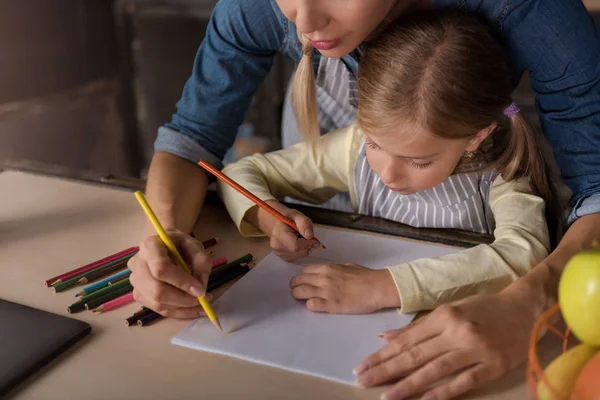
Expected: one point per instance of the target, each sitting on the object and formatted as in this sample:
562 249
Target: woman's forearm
176 190
539 288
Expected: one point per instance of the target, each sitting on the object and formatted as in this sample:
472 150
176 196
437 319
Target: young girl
427 150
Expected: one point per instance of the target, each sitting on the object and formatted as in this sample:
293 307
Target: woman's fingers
414 334
435 370
163 269
461 384
397 359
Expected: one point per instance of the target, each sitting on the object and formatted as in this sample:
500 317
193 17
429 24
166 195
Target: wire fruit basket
535 372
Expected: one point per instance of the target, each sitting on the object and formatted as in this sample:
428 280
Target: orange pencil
250 196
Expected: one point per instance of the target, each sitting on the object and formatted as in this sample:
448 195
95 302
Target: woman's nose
311 16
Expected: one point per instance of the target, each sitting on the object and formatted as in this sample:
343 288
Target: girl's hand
161 285
345 289
472 341
285 242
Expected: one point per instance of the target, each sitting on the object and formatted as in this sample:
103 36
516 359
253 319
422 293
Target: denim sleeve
557 42
237 52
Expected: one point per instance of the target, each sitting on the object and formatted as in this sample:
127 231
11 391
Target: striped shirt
460 202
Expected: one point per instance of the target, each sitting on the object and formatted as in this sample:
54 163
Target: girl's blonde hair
304 97
445 72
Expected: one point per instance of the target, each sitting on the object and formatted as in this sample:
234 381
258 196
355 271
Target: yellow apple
579 296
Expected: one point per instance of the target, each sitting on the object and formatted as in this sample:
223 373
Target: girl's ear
481 136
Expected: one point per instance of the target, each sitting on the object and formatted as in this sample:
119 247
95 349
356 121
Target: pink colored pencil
89 267
219 262
118 302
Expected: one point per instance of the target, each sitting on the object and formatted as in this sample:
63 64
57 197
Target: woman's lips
325 44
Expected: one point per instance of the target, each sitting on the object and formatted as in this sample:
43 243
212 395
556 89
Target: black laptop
30 339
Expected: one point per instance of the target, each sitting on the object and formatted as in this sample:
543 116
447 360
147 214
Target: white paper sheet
262 323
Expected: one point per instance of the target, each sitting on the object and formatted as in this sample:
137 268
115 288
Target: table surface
50 225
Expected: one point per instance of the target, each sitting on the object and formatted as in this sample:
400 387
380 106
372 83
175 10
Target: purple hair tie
512 110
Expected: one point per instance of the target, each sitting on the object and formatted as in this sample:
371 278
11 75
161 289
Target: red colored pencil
118 302
67 275
219 262
89 267
250 196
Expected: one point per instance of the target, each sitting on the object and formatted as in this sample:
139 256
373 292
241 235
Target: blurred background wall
86 83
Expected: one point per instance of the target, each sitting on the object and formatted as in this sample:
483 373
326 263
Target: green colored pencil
105 290
90 305
245 259
69 283
77 306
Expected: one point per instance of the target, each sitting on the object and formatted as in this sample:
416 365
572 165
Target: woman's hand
477 339
161 285
345 289
285 242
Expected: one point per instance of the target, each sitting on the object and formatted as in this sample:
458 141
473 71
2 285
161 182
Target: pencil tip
218 325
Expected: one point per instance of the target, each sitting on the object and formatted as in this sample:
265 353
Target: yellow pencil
171 246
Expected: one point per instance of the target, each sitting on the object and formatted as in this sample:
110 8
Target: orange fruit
587 385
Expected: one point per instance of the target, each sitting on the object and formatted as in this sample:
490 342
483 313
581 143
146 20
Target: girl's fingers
304 279
304 292
318 304
304 225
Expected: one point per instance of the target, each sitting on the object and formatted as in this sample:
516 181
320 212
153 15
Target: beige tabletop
49 225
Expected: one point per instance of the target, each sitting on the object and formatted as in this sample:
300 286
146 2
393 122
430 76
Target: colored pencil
102 272
149 318
105 290
115 280
103 283
98 268
67 275
118 302
251 197
219 262
121 262
221 277
210 242
244 259
169 243
77 306
98 301
137 315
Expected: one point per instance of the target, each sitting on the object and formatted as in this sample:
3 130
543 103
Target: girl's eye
420 166
371 145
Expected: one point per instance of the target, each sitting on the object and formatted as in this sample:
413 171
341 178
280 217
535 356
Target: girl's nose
311 16
389 175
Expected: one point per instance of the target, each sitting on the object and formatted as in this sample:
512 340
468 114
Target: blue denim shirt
555 40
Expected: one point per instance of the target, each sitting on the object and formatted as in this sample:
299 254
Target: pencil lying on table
78 271
251 197
171 246
112 304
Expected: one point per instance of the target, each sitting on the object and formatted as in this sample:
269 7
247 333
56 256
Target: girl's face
417 161
336 27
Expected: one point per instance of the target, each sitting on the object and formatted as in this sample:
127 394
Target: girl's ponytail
522 157
304 98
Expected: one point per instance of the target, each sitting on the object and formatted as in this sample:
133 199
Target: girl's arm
521 242
309 174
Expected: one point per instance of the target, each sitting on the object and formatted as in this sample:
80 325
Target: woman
554 39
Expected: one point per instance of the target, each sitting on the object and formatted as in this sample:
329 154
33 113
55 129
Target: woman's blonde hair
304 97
445 72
